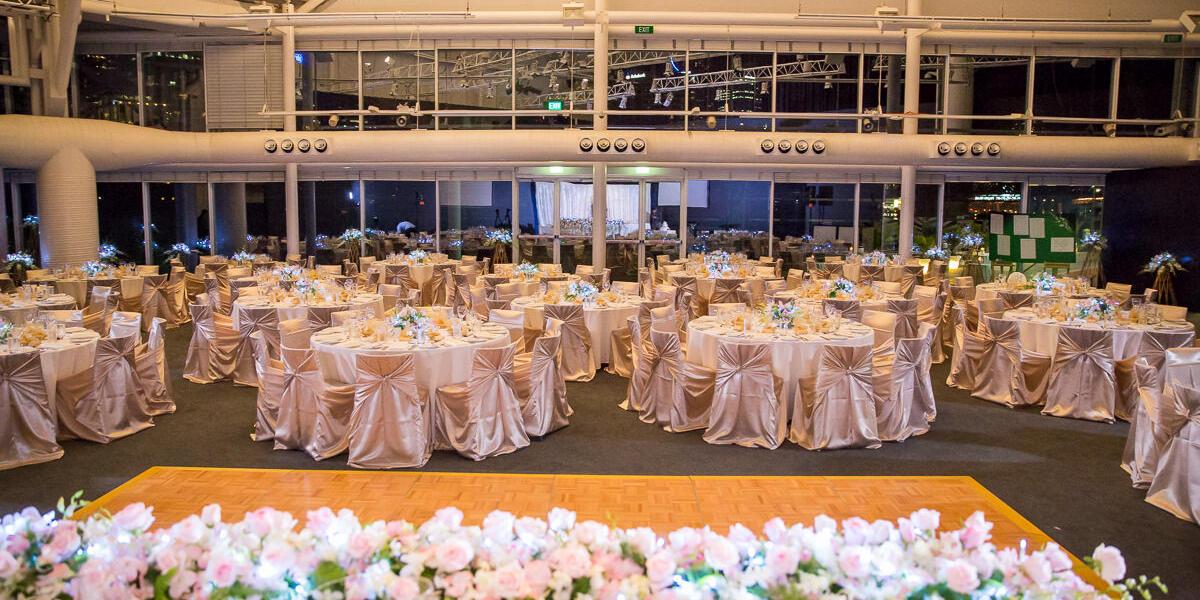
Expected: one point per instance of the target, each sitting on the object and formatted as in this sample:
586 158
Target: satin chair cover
639 379
931 310
390 424
578 359
270 389
924 405
725 290
1173 313
1014 300
320 317
391 295
837 410
1082 384
104 402
1120 291
125 323
461 296
251 319
438 291
150 362
686 295
1152 349
795 278
1175 487
907 323
747 409
997 362
850 309
903 389
1182 366
870 273
884 325
27 427
680 394
1147 436
629 288
965 346
514 322
988 307
236 287
482 417
313 416
541 388
293 333
620 353
212 350
646 283
219 299
156 301
401 275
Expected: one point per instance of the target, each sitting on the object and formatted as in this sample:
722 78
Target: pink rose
403 588
222 571
782 560
456 585
17 545
182 583
720 553
135 517
454 554
8 565
1110 561
561 519
573 560
660 569
508 581
211 514
962 577
1059 559
360 546
449 516
537 577
926 519
855 561
1037 569
65 540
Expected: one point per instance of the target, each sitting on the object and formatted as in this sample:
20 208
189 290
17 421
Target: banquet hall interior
599 298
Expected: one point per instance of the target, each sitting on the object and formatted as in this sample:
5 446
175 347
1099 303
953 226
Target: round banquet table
286 310
442 363
601 321
706 285
792 358
1041 334
989 291
875 304
63 358
19 312
130 286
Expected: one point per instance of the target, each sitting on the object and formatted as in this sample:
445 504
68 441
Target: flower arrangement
178 250
492 237
875 259
334 555
289 272
936 253
202 245
526 269
781 314
411 319
842 289
1044 283
425 238
108 253
970 241
6 330
93 268
30 221
1092 240
717 263
22 259
242 256
418 256
351 236
1164 265
1095 309
1163 261
580 291
453 243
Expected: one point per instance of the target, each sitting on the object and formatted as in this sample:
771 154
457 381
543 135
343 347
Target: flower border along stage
333 555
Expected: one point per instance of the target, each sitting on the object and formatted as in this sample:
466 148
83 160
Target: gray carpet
1061 474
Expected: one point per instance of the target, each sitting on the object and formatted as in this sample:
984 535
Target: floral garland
1095 309
418 256
334 555
1090 240
1163 261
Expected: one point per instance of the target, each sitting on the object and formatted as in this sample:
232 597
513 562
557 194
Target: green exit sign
643 29
556 104
1172 38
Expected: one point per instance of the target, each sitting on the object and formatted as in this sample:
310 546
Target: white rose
962 577
1110 561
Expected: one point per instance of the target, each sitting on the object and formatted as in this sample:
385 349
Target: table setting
64 351
814 291
603 311
24 305
1039 325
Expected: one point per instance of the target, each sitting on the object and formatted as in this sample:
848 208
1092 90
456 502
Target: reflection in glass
173 84
537 221
968 204
1081 205
469 210
475 80
729 216
1154 88
554 75
662 232
883 91
107 87
575 224
178 213
726 82
987 85
326 81
399 214
120 210
621 229
812 83
813 217
266 223
398 80
1071 87
633 76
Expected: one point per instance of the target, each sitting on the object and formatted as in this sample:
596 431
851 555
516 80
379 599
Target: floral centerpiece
108 253
1164 265
580 291
781 314
936 253
1093 244
841 289
289 272
498 240
242 256
271 554
202 245
1095 309
526 270
17 263
418 257
875 259
32 335
93 268
351 241
412 322
179 250
6 331
717 263
1044 283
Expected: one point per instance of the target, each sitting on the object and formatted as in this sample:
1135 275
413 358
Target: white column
18 224
600 126
683 204
291 183
147 252
599 212
70 222
3 214
856 245
912 97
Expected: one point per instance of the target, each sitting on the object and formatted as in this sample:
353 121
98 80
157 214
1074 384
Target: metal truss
616 91
805 69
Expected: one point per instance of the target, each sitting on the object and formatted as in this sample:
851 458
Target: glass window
469 210
1071 87
173 84
537 221
178 213
575 224
107 87
266 219
398 80
878 217
813 214
817 83
326 81
968 204
662 233
5 47
554 75
883 91
1082 206
1154 88
27 192
633 78
728 215
987 85
14 100
728 82
475 80
120 208
621 226
334 210
399 214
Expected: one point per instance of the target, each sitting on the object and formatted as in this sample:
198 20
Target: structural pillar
600 126
3 214
291 177
912 98
231 208
599 214
18 224
69 219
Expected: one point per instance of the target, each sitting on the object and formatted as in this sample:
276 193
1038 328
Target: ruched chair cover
1147 435
578 359
1182 366
747 407
237 286
270 389
884 326
293 333
1120 291
313 416
725 290
27 429
909 279
401 275
150 361
438 290
1175 487
907 322
482 417
320 317
965 347
897 386
219 298
251 319
104 402
997 361
639 379
391 293
850 309
646 283
461 297
838 409
390 425
1081 382
157 301
795 278
870 273
540 386
212 350
687 296
931 310
990 307
924 405
680 393
125 323
1153 350
620 354
1013 300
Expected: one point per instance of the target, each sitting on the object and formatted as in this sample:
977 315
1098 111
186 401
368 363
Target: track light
624 101
657 98
667 100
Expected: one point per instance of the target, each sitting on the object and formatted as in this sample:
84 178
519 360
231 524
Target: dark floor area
1061 474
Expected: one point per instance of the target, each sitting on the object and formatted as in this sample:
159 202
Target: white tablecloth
791 358
129 287
435 367
1041 335
877 304
287 311
20 311
601 322
66 357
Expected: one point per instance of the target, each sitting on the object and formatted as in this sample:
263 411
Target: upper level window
398 80
1155 88
107 87
986 85
883 91
475 80
554 80
633 78
727 82
327 81
173 89
817 83
1071 87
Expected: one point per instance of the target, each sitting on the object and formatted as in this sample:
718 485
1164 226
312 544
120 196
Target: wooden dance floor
660 502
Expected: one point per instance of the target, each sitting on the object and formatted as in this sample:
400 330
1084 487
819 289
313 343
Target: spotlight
388 59
667 100
624 101
333 120
764 88
553 85
657 98
401 121
583 83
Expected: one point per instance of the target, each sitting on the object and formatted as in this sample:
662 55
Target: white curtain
576 199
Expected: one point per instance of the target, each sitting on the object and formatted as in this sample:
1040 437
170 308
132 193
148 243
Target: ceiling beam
311 6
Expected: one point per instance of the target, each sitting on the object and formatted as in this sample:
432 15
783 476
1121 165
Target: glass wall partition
327 81
173 90
813 217
724 82
107 88
575 224
662 230
538 222
966 207
623 228
1081 206
178 214
120 209
883 91
400 215
646 80
1071 87
472 215
266 223
547 77
1155 88
397 80
475 80
332 208
728 215
817 83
